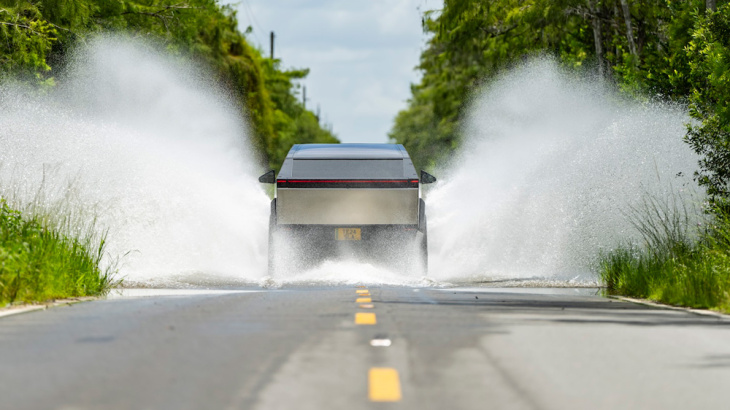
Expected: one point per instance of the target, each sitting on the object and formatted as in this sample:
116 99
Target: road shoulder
647 302
27 307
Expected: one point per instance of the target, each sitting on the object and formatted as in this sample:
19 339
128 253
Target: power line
249 18
252 18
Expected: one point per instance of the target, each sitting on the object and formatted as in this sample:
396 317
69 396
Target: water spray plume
148 147
155 149
549 166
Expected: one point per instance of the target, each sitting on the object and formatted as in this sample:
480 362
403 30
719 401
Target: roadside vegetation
40 263
36 37
47 255
697 276
677 51
684 258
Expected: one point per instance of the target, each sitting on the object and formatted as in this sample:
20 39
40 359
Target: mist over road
302 347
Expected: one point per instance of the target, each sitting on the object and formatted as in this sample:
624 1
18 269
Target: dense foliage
676 50
708 56
682 263
668 48
38 263
36 35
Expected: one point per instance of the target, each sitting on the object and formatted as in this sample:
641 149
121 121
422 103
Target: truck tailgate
347 206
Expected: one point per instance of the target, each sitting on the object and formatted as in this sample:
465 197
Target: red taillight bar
348 181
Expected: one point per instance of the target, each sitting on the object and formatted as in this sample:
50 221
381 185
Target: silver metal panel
353 206
286 169
304 152
338 169
348 151
409 171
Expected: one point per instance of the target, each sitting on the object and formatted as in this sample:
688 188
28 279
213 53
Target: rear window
348 169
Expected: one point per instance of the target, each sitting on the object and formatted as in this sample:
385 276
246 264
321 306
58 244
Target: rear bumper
328 233
376 241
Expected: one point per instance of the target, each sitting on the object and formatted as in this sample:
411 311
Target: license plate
348 234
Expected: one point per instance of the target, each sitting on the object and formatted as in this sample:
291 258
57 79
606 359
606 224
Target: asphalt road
302 348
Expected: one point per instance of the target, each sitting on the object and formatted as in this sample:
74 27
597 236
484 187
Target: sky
362 55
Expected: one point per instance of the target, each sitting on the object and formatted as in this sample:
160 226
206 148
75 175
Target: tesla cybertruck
348 199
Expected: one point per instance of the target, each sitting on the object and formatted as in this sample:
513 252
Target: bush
675 265
39 264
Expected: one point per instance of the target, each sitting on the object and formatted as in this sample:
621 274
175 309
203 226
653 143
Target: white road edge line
645 302
14 310
128 293
24 309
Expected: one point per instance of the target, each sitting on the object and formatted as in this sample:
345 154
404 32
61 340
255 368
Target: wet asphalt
301 348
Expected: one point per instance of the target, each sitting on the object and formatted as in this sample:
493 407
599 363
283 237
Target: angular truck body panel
347 200
347 206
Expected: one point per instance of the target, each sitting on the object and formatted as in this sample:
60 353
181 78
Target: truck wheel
423 228
424 250
272 232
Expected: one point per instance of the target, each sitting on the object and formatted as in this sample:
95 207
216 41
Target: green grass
39 262
677 263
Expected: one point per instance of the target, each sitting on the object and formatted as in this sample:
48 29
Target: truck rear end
359 199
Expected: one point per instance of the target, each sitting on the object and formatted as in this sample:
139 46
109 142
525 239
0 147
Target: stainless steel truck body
357 196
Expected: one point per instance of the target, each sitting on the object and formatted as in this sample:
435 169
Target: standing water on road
549 167
153 148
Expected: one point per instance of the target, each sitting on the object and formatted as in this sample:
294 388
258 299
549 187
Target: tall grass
684 258
38 263
50 245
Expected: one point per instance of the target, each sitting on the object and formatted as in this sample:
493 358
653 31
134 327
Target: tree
25 41
708 55
637 45
35 37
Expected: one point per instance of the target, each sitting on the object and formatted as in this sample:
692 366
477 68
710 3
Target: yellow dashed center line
383 384
367 306
363 300
364 318
359 291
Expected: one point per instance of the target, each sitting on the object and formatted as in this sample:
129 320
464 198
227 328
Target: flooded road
361 347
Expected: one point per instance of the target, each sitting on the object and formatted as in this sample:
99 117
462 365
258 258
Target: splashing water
549 168
160 155
155 149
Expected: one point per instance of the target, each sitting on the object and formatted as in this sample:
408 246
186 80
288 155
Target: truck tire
272 232
424 250
422 216
423 228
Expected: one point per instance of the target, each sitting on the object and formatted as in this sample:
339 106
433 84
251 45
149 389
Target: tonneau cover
348 161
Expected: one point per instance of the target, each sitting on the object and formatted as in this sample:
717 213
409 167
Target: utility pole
272 45
304 96
317 114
